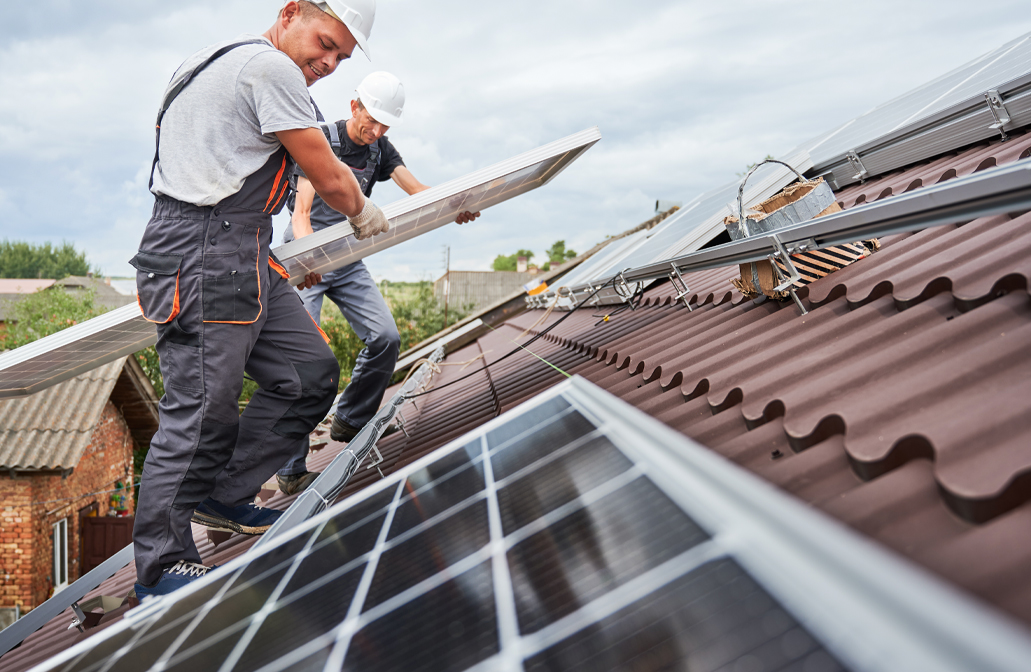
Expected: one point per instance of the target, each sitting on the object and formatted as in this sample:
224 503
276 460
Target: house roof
50 430
898 405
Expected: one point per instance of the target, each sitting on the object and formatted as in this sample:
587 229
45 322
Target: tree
510 262
46 312
26 260
558 253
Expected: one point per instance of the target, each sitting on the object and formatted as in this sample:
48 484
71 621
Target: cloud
686 94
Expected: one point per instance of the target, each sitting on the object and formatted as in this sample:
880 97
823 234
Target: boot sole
218 523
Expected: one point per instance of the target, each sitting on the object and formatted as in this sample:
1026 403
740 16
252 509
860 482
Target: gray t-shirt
220 129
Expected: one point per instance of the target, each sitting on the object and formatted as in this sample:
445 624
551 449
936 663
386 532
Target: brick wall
28 511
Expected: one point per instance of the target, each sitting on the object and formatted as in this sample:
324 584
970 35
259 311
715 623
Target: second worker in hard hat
360 143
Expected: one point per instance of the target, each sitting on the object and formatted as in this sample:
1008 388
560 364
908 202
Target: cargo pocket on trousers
157 285
232 299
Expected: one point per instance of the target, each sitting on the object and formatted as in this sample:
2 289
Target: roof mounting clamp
401 423
998 109
678 283
857 165
786 282
378 460
623 290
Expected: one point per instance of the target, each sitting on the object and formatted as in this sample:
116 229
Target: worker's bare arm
404 179
301 219
300 222
329 177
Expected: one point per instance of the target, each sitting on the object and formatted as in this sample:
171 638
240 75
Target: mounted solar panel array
979 100
572 533
103 339
687 230
951 111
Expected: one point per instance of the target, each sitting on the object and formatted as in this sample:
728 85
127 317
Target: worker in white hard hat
233 121
360 144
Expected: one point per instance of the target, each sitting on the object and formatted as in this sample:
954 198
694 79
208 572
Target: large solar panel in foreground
572 533
118 333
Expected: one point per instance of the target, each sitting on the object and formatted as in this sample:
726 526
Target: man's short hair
308 10
360 106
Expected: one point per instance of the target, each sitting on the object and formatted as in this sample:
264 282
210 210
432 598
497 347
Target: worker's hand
466 217
310 281
369 222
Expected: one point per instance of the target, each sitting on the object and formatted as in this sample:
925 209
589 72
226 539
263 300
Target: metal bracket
401 423
79 618
377 461
678 283
857 165
998 109
622 289
786 283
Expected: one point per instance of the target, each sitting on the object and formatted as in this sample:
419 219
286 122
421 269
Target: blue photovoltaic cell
405 577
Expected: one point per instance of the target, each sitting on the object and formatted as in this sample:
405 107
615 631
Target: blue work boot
245 519
173 577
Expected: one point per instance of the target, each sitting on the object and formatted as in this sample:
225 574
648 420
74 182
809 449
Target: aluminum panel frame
336 246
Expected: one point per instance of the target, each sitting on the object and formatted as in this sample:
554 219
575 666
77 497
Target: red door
102 538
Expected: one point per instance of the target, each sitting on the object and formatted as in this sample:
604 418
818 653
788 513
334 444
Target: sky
686 94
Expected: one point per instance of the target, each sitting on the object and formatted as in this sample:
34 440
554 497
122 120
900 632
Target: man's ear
290 13
354 108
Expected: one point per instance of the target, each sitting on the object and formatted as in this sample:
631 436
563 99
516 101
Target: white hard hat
357 15
383 96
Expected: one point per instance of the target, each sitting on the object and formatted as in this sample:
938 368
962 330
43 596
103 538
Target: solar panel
123 331
336 246
571 533
688 229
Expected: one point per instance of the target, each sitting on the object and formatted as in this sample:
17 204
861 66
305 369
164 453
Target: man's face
365 128
317 44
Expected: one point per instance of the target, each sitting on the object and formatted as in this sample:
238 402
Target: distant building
478 288
13 290
62 451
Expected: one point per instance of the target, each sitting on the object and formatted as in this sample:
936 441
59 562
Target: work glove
369 222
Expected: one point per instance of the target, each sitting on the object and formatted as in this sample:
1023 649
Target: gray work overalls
354 291
222 306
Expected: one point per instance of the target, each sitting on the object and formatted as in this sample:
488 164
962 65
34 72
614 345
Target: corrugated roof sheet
901 404
51 429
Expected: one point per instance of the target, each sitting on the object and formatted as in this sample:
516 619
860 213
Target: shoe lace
188 568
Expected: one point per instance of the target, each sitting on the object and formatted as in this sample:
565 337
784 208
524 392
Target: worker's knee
385 341
318 387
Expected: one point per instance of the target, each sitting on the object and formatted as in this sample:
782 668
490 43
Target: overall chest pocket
231 286
157 285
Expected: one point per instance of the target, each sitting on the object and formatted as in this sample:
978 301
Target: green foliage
27 260
558 253
148 359
46 312
510 263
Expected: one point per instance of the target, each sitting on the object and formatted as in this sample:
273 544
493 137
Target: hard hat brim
362 43
383 117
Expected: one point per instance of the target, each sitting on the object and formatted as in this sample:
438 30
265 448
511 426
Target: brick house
62 451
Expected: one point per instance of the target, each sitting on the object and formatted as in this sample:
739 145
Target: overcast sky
685 93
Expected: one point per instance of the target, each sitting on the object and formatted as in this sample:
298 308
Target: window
60 553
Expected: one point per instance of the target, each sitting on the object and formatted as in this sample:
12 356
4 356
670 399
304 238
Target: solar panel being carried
103 339
573 532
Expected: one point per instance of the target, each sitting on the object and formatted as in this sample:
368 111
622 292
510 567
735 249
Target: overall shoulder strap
334 135
177 89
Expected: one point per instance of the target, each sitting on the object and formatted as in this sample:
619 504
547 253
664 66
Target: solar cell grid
540 541
713 618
